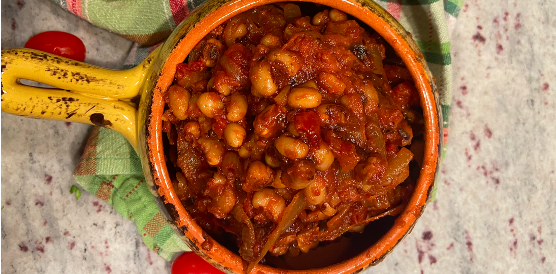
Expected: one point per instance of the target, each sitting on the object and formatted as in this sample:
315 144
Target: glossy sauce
280 103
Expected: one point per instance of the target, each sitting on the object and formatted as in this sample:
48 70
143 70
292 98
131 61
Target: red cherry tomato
60 43
191 263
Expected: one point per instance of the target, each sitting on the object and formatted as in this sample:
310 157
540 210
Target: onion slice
398 168
391 212
288 217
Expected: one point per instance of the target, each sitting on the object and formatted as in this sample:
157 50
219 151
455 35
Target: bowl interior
352 252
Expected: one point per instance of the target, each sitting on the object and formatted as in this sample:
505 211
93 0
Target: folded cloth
111 170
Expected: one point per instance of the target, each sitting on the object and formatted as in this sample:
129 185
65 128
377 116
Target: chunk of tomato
308 123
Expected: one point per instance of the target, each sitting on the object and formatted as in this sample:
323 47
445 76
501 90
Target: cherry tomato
60 43
191 263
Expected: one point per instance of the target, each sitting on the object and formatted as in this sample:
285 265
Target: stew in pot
288 130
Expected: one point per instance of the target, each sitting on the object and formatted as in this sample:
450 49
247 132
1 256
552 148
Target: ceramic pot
131 103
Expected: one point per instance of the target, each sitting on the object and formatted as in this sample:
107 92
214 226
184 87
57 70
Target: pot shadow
339 250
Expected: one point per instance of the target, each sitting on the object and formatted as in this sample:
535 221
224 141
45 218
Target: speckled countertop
496 193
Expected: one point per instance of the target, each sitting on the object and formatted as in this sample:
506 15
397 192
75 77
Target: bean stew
286 129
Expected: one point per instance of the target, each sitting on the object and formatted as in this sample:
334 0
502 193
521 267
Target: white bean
223 196
320 18
272 203
292 130
179 101
336 15
331 83
300 175
261 80
247 147
258 176
234 134
212 51
210 104
289 59
371 96
304 98
192 130
213 150
323 157
316 192
271 161
271 41
231 165
267 123
237 108
234 30
291 147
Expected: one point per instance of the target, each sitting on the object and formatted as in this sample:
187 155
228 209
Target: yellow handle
83 93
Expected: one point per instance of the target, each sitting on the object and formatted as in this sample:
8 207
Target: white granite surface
44 228
496 198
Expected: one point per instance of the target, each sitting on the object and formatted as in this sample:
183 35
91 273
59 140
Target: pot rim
373 16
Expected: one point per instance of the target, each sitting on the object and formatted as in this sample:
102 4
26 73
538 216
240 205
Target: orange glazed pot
131 103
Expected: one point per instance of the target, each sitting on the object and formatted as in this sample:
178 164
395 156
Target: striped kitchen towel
111 170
